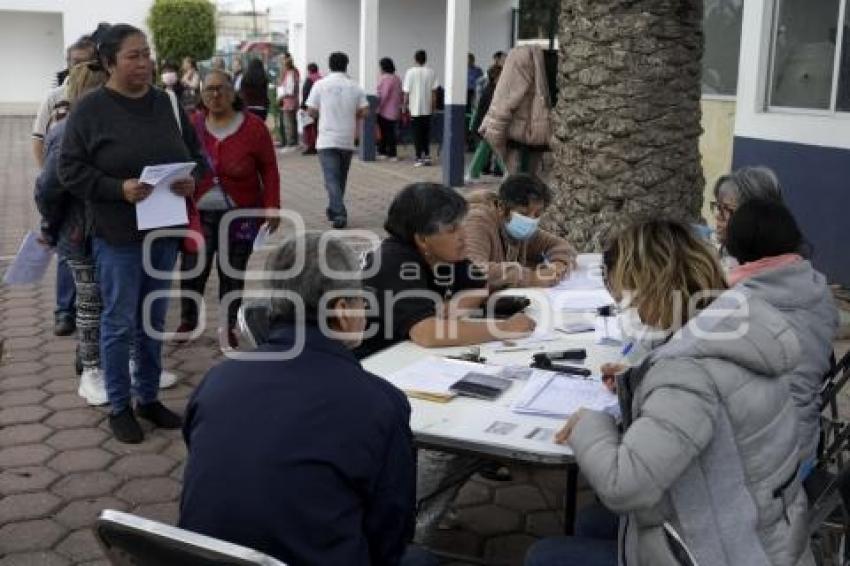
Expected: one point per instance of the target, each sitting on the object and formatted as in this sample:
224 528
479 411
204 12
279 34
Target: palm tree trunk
627 121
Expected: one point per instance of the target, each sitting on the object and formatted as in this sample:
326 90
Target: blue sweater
309 460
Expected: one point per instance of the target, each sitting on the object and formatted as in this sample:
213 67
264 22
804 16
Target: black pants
387 145
421 135
238 254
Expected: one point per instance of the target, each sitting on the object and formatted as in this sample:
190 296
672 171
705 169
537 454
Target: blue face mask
521 227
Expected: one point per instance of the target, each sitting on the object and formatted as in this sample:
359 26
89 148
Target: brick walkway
59 466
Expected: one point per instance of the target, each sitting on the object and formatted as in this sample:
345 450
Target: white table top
462 423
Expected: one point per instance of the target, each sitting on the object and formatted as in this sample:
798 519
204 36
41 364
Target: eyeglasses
216 89
721 210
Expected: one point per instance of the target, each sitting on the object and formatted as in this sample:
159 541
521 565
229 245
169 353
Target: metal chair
835 433
129 540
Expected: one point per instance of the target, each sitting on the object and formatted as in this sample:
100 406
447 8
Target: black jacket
309 460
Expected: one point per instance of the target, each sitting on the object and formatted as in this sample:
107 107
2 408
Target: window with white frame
722 31
808 68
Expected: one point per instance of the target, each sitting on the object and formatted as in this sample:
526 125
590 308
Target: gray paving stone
22 414
25 506
82 460
83 512
86 484
34 559
149 490
65 401
26 536
77 438
522 498
24 479
75 418
18 397
24 434
142 465
24 455
473 493
167 513
489 520
80 546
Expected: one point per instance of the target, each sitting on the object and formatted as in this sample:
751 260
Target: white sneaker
93 387
289 149
166 378
418 163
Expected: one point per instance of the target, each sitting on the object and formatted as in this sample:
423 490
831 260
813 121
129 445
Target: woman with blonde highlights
703 467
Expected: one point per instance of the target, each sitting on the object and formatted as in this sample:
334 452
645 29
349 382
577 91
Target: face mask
169 78
521 227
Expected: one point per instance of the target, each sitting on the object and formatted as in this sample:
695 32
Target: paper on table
30 263
163 207
431 377
539 336
587 276
579 301
553 395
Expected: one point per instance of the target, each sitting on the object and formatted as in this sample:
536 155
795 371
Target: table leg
571 499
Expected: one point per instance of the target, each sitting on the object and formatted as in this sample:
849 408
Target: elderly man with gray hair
300 453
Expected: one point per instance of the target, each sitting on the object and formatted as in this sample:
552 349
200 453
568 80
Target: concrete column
369 74
454 124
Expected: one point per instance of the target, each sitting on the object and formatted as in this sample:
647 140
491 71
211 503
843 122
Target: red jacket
245 163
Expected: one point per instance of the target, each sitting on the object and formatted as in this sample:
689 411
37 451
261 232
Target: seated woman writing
705 460
502 235
422 270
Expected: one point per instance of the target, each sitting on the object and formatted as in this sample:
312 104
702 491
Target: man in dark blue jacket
306 457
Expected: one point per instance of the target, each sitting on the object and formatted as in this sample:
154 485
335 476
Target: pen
512 350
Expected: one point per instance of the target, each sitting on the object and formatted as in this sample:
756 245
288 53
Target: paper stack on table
586 276
430 378
162 207
550 394
30 263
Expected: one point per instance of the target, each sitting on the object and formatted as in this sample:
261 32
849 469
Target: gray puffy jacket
802 295
710 446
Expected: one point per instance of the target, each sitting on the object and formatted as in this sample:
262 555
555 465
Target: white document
163 207
552 395
30 263
262 237
587 275
434 376
539 336
578 301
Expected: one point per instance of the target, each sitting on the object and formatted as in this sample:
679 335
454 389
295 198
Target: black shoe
159 415
309 152
494 471
64 326
126 428
328 214
340 223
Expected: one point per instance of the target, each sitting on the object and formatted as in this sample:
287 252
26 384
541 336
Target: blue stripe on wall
816 186
454 144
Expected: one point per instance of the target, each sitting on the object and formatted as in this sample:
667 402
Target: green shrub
181 28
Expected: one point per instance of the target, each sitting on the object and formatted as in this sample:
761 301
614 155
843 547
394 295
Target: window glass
804 53
722 30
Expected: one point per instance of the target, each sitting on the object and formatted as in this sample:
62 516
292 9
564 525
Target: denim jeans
66 291
335 164
124 284
595 542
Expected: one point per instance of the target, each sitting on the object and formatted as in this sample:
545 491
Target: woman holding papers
503 236
111 136
704 468
242 174
422 281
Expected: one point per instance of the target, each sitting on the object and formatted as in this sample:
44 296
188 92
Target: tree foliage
181 28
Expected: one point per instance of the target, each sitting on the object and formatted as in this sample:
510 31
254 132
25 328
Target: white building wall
752 120
23 24
319 27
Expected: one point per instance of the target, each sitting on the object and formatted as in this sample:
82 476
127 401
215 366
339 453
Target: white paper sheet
539 336
578 301
587 276
30 263
434 376
553 395
163 207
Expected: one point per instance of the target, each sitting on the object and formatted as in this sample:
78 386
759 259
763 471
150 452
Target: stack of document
550 394
162 207
587 275
578 301
431 378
